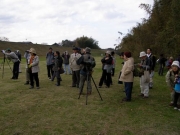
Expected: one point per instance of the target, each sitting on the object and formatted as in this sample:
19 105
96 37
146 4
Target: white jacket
72 61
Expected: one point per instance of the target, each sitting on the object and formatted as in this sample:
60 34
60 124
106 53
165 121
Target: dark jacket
87 63
153 61
66 58
58 61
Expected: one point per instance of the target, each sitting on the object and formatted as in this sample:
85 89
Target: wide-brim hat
32 50
175 63
87 49
142 54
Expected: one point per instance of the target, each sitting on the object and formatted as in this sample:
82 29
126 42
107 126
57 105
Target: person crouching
58 61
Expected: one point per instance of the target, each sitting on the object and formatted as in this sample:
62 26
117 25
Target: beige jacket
127 71
72 61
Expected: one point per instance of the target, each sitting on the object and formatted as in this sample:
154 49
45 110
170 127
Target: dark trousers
113 71
34 76
50 71
105 76
128 89
75 78
16 70
161 69
58 77
176 97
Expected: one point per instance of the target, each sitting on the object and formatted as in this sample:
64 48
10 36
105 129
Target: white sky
50 21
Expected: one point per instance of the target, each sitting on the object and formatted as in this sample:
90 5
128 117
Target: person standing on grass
17 52
114 63
66 57
153 64
33 65
74 67
86 70
177 91
169 62
127 75
161 61
107 67
14 58
121 55
50 62
27 55
170 79
145 68
58 61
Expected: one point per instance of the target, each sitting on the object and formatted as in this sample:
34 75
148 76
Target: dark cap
75 48
8 49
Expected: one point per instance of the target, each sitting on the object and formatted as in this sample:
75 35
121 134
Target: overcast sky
50 21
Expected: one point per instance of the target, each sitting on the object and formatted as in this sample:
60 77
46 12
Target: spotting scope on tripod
2 65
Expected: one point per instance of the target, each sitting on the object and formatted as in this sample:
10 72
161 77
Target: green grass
53 110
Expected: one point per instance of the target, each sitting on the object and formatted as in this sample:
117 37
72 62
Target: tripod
5 60
89 76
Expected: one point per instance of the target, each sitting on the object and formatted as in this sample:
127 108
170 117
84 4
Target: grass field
53 110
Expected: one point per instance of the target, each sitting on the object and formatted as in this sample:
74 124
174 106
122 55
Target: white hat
32 50
142 54
108 52
175 63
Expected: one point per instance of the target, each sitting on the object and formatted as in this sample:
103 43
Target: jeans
66 66
128 89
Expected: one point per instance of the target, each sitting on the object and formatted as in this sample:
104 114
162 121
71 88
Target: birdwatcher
14 58
87 63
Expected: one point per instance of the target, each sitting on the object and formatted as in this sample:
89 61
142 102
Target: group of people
146 73
80 65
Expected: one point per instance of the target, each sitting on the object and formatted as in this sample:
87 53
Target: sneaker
49 78
175 108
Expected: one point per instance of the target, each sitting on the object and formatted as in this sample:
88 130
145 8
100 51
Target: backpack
136 72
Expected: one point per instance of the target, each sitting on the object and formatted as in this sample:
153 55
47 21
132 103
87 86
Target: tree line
160 31
81 42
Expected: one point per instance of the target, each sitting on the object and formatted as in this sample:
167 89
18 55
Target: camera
177 80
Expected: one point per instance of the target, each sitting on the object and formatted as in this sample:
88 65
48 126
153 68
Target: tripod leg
96 87
81 89
87 77
9 65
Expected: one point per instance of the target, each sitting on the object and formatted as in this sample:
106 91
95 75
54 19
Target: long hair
58 54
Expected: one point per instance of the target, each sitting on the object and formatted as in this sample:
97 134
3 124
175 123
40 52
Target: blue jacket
50 58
